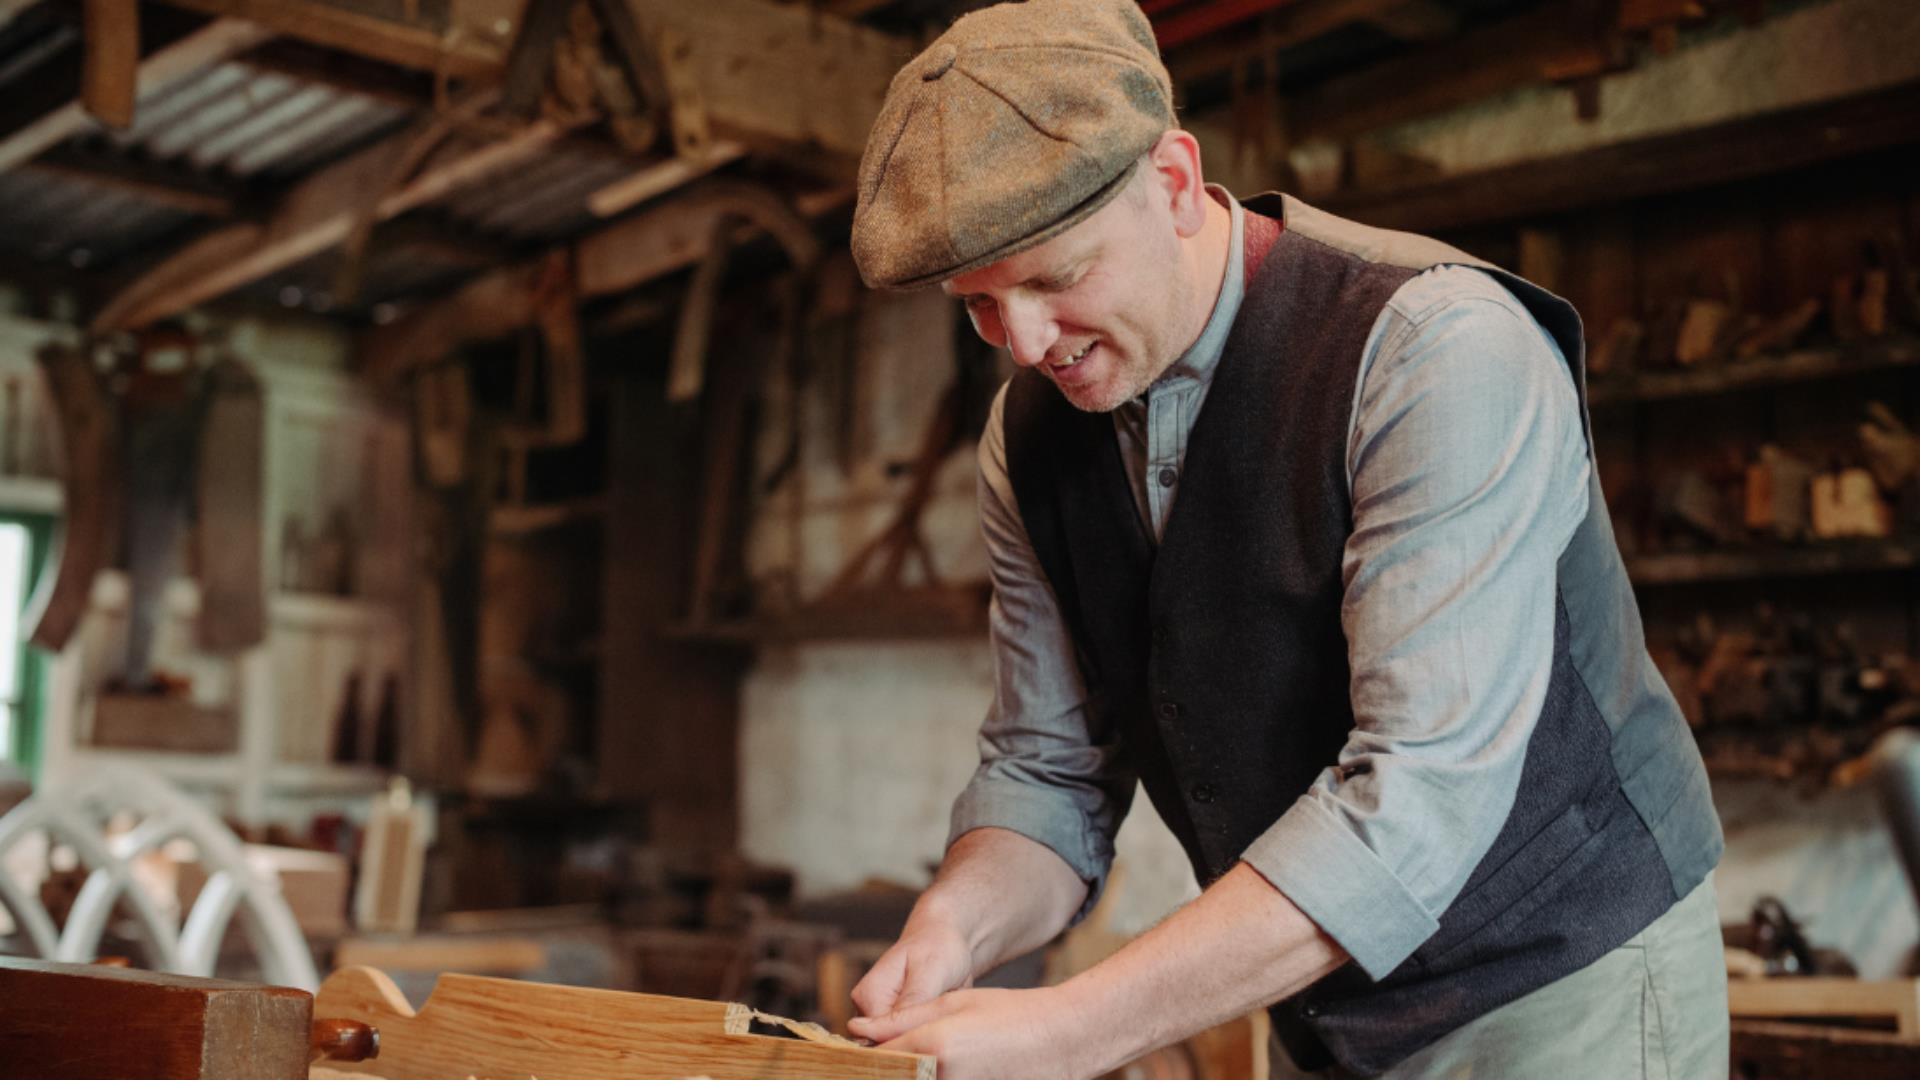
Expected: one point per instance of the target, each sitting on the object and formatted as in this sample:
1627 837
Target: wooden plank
1755 564
659 178
474 1026
318 213
95 496
109 79
1548 42
1884 999
150 182
783 74
209 45
473 50
82 1022
1738 149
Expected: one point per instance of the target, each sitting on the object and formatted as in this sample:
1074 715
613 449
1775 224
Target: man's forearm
1240 946
1006 894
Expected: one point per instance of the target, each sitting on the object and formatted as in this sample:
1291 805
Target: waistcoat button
1169 711
1203 793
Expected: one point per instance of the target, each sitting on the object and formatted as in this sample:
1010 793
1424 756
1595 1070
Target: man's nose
1031 331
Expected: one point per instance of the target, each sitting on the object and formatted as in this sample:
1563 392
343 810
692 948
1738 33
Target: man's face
1100 309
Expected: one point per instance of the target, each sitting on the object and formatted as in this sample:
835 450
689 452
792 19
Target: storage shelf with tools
1657 165
1736 564
1777 369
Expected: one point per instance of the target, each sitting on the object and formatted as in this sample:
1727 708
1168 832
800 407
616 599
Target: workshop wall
851 752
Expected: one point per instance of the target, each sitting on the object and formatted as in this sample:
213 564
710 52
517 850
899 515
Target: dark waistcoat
1218 661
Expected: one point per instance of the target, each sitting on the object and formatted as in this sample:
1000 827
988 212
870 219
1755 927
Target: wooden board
1897 1000
474 49
781 72
84 1022
500 1029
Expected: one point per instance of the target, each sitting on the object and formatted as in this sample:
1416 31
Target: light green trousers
1653 1009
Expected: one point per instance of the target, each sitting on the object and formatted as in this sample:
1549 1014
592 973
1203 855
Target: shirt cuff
1318 862
1050 819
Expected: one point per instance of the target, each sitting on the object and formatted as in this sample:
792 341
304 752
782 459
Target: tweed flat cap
1015 125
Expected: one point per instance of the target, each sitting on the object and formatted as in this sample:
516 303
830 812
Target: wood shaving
812 1033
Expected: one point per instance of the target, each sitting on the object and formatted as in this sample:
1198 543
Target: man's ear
1175 159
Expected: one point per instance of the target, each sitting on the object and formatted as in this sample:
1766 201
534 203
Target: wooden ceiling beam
1683 160
1555 41
303 61
617 258
476 49
762 73
768 73
144 180
1281 29
318 213
50 111
109 78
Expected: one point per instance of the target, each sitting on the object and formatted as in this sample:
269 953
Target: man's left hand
997 1034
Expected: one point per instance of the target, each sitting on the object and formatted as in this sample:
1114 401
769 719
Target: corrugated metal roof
543 200
250 124
49 217
391 273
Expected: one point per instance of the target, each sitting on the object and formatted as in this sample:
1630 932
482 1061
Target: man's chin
1101 397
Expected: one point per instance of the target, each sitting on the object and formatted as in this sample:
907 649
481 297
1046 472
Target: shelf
222 772
1804 365
1814 560
1741 149
942 612
325 611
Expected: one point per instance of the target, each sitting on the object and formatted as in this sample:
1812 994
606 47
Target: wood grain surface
499 1029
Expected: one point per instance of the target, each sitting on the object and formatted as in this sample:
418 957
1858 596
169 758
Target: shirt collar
1203 356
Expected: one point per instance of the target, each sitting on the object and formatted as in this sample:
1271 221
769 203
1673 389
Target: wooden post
83 1022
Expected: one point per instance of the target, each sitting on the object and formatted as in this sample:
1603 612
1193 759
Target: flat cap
1014 126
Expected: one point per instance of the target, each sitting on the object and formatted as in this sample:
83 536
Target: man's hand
931 958
997 1034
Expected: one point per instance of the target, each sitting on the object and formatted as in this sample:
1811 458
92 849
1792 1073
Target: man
1381 672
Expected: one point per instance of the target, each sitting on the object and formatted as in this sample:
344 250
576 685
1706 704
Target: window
23 542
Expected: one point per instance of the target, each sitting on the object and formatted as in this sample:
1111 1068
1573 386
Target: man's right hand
931 958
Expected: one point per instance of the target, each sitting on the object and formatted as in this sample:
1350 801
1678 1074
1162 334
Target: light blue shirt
1467 466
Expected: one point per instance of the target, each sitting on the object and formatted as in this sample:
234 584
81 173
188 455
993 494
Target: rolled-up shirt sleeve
1468 466
1049 769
